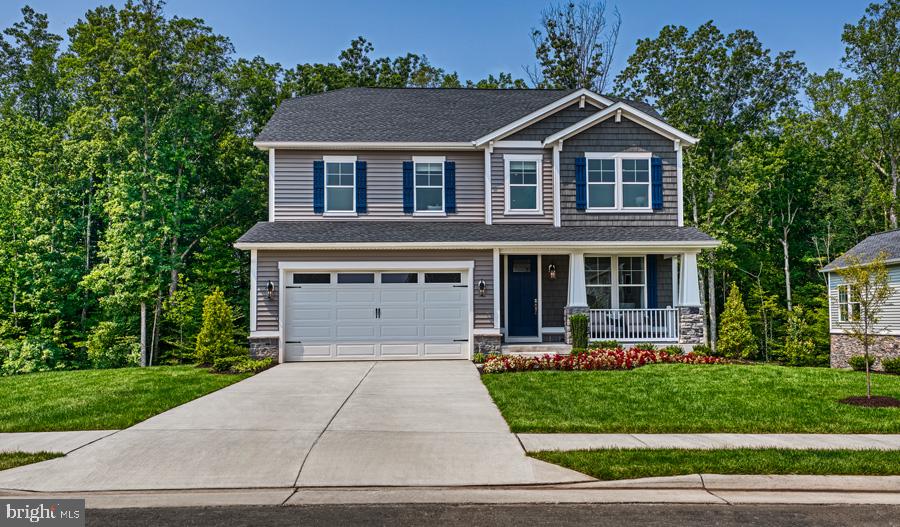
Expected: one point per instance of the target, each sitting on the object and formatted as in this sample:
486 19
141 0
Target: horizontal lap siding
267 270
384 182
553 123
498 186
612 137
889 318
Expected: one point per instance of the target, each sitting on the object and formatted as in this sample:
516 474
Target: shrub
858 363
216 337
645 346
109 347
674 349
479 357
735 335
241 364
702 350
891 365
605 344
30 355
618 359
579 325
799 343
578 351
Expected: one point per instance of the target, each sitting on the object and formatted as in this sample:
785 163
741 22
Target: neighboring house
435 223
842 308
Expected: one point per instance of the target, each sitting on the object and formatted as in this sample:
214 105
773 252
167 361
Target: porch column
691 326
577 302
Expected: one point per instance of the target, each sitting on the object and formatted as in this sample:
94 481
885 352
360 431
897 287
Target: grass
672 398
100 399
17 459
634 463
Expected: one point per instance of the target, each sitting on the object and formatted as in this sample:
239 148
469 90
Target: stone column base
574 310
691 326
489 343
844 346
264 347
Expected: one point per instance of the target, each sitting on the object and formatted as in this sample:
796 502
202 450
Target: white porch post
497 292
690 287
253 259
577 289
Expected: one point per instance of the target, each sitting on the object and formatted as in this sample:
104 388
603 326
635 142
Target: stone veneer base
264 347
844 346
487 344
691 326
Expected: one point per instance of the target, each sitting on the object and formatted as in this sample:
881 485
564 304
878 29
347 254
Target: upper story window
523 184
429 182
848 303
618 181
340 184
615 282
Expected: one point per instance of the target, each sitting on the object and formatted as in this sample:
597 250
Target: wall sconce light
481 287
552 270
270 289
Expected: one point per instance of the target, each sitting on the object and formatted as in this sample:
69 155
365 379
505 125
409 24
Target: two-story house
434 223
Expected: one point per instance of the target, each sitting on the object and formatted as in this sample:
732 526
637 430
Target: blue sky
476 37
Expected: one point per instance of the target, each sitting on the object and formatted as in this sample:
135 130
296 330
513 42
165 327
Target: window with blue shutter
652 288
360 187
408 202
656 178
319 187
450 187
580 183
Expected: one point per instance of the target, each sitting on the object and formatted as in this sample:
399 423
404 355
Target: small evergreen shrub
109 347
479 358
578 351
702 350
579 324
216 337
605 344
891 365
241 364
858 362
673 349
645 346
736 338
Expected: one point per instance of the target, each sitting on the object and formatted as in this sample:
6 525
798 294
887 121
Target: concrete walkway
64 442
316 424
563 442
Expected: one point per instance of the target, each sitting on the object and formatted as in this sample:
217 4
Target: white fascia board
633 114
464 265
328 145
541 113
671 246
892 261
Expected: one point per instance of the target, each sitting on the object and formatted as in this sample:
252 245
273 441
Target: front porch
630 296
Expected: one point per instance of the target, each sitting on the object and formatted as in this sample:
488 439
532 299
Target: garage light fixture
270 289
481 287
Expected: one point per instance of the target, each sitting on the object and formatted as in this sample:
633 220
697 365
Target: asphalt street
505 515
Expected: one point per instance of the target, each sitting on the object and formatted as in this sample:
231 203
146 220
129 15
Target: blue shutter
580 183
652 289
656 182
361 187
450 187
319 187
407 187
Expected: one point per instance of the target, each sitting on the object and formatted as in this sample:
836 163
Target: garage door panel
356 331
401 331
443 331
443 313
400 350
356 350
400 294
447 295
443 349
410 314
307 314
297 351
355 295
310 332
314 295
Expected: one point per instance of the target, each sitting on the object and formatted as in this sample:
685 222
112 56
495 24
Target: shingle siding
267 270
553 123
294 185
498 186
611 137
554 293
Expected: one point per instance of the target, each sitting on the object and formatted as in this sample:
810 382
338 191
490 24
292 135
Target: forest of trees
127 168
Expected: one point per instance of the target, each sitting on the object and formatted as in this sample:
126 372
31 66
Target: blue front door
521 282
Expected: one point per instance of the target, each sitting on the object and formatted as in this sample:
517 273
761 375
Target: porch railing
634 325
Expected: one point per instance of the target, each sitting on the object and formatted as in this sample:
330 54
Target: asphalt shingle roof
868 249
406 114
423 232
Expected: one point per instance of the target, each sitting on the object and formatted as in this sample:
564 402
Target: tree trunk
895 181
787 268
154 342
143 334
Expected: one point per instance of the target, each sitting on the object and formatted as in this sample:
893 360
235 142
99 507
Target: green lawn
628 464
17 459
669 398
100 399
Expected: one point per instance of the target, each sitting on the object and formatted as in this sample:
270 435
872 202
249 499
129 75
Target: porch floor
535 349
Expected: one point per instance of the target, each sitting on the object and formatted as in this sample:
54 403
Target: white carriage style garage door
366 315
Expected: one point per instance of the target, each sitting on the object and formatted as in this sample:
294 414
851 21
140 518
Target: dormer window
340 185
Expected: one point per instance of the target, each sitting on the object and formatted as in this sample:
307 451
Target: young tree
216 337
736 337
575 46
869 290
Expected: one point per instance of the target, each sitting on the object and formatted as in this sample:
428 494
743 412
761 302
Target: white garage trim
284 268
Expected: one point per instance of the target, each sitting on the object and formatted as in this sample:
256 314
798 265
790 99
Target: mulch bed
878 401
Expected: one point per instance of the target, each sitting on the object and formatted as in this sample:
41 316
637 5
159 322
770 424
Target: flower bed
595 359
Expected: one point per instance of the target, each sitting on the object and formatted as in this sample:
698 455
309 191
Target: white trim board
630 113
668 246
369 145
538 160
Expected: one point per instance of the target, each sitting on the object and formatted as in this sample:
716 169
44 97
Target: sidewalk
64 442
563 442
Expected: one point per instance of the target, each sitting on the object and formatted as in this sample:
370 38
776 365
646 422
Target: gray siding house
436 223
841 306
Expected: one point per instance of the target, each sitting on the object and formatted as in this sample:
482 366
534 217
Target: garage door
369 315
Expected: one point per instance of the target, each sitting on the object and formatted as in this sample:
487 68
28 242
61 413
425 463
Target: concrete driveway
425 423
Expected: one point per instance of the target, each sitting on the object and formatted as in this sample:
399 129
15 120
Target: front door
521 295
